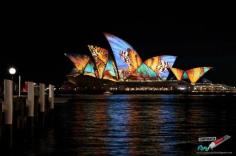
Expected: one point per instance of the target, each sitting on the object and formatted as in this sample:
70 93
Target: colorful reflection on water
135 125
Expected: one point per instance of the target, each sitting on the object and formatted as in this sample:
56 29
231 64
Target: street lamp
12 71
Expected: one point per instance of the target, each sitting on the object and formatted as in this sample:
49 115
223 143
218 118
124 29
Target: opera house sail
126 58
110 72
90 69
79 61
100 56
178 73
123 64
146 72
196 73
160 65
193 74
104 64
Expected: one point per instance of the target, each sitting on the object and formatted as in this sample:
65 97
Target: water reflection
118 132
168 126
135 125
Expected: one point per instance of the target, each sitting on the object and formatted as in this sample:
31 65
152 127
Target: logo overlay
213 143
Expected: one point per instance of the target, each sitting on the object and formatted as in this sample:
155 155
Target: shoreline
144 93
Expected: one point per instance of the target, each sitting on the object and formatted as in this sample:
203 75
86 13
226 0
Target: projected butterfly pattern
127 64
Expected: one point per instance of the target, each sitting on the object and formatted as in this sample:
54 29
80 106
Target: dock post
42 104
36 104
30 104
8 113
51 105
51 97
1 106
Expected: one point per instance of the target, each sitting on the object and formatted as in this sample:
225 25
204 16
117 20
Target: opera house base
171 87
95 86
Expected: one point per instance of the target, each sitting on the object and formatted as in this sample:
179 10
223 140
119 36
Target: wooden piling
36 104
1 123
19 111
42 97
51 96
50 116
42 104
22 114
8 113
30 104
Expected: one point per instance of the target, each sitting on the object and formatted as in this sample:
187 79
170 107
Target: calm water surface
135 125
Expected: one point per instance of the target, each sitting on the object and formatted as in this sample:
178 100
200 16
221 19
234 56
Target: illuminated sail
90 69
79 61
196 73
100 56
127 59
160 65
167 62
145 72
178 73
153 62
135 60
185 75
110 71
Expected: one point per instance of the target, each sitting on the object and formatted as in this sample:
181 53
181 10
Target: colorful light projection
129 64
127 59
110 71
167 62
100 56
178 73
153 62
79 61
195 74
90 70
145 72
185 76
160 65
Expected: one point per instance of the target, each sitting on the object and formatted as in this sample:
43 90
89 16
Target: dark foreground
133 125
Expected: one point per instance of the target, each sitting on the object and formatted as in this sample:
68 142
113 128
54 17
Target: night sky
36 48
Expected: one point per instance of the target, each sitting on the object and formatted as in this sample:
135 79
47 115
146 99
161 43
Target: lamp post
12 72
19 85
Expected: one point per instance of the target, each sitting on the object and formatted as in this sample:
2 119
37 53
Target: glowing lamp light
12 70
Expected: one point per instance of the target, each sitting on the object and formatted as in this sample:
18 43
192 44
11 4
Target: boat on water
107 93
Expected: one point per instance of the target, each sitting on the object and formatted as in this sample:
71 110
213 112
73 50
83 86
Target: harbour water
134 125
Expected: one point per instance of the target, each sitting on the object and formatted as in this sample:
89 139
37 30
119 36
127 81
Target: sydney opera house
122 69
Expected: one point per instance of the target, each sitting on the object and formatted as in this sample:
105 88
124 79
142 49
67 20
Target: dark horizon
195 44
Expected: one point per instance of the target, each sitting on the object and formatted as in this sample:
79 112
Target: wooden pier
24 115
